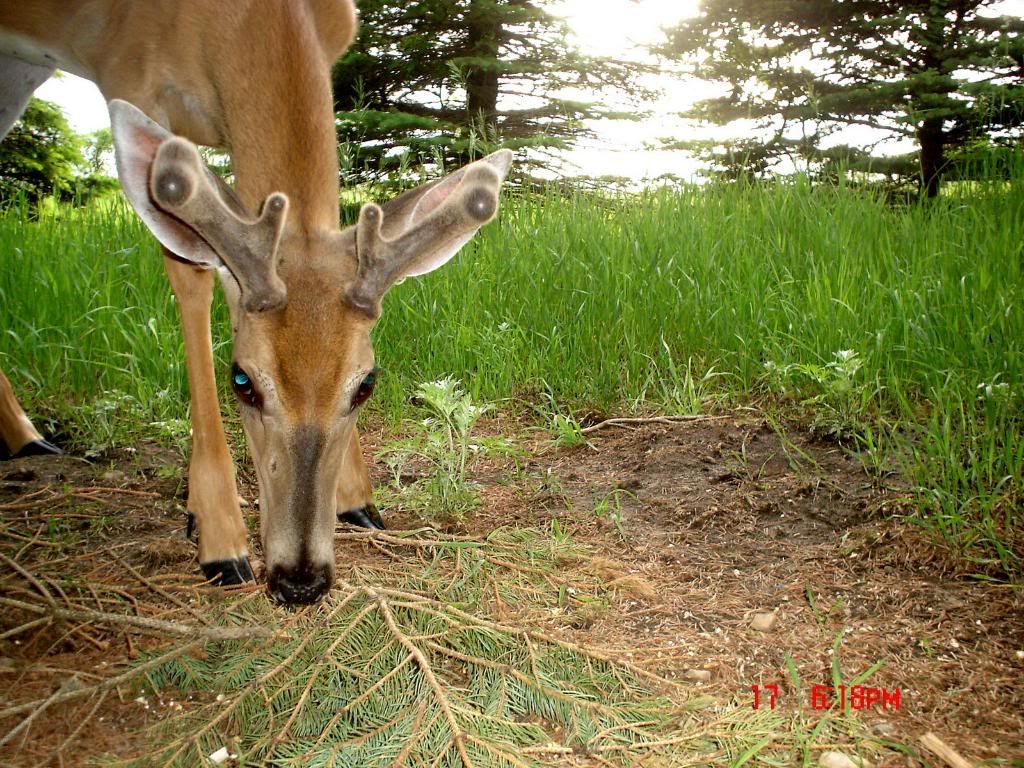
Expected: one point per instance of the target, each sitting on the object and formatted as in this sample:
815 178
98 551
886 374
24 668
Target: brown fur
251 76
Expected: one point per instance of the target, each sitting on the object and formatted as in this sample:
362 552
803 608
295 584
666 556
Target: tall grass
902 328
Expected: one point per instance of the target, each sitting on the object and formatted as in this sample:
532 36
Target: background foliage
672 301
42 157
943 73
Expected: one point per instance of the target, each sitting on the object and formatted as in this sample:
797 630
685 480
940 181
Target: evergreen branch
230 709
365 694
447 611
421 661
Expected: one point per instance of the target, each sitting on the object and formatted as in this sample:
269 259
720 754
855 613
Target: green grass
900 330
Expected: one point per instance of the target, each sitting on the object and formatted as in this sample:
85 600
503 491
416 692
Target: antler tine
382 261
179 185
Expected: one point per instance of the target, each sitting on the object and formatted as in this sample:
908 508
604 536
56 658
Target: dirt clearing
730 556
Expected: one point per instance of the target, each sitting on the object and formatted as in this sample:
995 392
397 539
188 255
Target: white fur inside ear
136 140
434 197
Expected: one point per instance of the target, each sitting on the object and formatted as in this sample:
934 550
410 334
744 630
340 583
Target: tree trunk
483 27
933 155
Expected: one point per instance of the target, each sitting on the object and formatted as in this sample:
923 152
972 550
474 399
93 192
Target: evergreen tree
444 80
944 73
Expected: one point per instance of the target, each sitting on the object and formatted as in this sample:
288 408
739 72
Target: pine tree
940 72
443 80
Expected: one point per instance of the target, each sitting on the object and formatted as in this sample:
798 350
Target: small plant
568 432
113 421
841 405
448 445
609 506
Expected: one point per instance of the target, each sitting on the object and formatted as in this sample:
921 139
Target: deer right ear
136 141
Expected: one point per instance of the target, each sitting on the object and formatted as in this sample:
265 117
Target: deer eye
365 389
244 388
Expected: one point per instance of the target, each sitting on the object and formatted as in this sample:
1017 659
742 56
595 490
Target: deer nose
302 584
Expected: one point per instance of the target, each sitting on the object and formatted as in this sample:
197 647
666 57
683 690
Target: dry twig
621 422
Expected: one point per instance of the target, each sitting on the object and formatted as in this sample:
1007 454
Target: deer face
302 307
300 375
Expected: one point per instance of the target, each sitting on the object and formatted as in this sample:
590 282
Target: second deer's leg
355 492
212 492
16 431
18 79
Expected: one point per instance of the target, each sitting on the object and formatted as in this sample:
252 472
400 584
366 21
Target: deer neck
279 129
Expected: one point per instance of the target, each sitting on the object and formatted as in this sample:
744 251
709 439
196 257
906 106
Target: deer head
302 306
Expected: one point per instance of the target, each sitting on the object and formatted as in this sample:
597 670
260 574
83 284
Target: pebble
763 622
839 760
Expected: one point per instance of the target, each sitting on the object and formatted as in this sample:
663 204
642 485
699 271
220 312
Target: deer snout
302 584
299 519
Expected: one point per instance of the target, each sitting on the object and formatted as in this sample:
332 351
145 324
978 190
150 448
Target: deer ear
431 197
424 228
136 141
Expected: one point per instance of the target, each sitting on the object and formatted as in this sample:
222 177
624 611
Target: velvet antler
180 186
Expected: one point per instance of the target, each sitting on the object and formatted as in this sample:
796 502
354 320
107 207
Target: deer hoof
34 448
364 517
226 573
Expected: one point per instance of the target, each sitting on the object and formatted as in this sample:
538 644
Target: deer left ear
435 196
136 141
424 228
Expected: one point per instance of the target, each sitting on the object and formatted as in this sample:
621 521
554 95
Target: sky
616 28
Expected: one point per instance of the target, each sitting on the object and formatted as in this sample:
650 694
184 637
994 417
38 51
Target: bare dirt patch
696 528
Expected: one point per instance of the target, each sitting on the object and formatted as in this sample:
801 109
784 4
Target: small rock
839 760
698 675
221 756
762 622
114 477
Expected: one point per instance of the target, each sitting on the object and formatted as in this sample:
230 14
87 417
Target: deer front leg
16 431
355 492
212 492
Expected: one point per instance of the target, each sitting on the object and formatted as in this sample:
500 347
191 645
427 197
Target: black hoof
190 525
35 448
226 573
366 517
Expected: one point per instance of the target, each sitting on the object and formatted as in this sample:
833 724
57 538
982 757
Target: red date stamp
846 697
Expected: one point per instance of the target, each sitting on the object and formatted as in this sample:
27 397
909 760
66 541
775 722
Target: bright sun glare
612 27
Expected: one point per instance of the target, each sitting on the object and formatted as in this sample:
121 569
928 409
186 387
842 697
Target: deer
251 77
